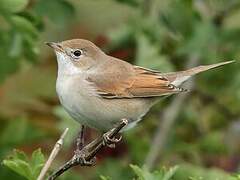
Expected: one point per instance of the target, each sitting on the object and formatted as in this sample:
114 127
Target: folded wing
140 82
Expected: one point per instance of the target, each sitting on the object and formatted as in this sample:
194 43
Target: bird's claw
80 157
110 142
77 153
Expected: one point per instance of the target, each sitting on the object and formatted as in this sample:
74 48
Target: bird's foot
79 156
109 141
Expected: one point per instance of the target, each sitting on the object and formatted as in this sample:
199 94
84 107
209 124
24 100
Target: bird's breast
81 101
75 94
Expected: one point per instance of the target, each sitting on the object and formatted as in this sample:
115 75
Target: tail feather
177 78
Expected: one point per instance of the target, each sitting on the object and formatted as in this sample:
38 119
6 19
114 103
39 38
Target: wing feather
135 82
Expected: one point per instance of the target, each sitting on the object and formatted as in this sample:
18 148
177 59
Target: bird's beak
55 46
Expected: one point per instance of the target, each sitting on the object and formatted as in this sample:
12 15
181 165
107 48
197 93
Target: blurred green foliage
19 33
21 25
160 34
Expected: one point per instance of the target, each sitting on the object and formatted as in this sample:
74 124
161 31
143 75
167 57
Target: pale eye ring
77 53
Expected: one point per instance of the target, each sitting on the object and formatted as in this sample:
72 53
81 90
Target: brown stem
52 156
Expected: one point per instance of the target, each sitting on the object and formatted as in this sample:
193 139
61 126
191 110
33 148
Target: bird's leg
80 140
110 141
92 145
106 139
86 155
81 152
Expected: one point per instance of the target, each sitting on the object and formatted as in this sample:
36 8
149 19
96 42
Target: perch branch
52 156
89 151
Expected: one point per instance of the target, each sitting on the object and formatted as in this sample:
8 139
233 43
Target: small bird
98 90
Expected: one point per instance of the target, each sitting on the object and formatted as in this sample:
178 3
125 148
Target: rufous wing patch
143 83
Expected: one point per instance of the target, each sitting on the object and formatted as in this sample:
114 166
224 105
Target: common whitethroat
98 90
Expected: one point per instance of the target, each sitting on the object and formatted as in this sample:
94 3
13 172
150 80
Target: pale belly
102 114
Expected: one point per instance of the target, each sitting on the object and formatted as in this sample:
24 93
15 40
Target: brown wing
149 83
132 82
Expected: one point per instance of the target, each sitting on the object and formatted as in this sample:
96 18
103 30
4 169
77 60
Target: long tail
177 78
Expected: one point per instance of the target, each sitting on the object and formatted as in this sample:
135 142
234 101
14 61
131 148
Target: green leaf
37 162
21 167
19 163
13 6
20 155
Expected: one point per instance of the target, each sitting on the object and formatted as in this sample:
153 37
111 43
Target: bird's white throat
65 66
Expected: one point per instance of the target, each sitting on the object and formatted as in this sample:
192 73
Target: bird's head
76 55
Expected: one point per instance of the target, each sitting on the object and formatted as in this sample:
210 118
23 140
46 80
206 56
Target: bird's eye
77 53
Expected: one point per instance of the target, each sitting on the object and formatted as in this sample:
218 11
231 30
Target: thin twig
52 156
87 156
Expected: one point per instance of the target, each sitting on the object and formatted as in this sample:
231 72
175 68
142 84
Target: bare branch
52 156
89 151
